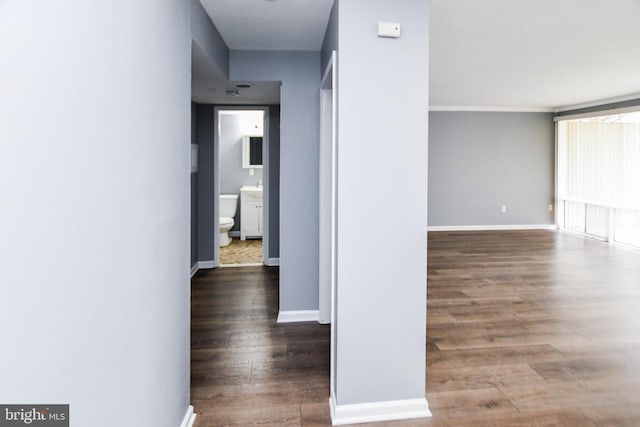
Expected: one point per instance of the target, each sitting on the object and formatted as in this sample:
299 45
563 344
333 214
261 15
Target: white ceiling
485 54
533 53
270 24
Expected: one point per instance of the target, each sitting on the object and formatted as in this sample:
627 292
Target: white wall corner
272 262
378 411
492 227
189 418
298 316
194 269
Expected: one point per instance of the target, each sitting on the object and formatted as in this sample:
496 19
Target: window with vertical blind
599 177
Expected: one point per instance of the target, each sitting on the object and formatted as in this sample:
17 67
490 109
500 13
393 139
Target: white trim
194 269
272 262
298 316
599 102
266 196
206 265
378 411
334 230
492 227
216 186
598 204
557 208
222 109
327 190
189 418
492 109
599 113
202 265
246 264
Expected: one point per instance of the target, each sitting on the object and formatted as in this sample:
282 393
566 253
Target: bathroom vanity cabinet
250 212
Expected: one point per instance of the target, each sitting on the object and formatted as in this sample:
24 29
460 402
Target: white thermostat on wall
389 29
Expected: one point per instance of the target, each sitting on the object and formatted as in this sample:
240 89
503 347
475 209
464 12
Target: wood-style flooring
524 328
245 368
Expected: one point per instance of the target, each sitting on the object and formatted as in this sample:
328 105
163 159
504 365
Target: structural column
379 327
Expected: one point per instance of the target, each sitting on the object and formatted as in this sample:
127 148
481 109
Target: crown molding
598 102
488 109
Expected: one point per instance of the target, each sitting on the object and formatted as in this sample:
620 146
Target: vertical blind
599 176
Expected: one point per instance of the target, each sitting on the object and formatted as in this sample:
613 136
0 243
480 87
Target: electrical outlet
550 207
503 209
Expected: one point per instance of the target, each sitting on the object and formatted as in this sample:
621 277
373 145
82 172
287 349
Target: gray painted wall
208 38
274 181
330 42
381 289
102 193
299 73
210 41
479 161
194 192
207 224
206 126
232 175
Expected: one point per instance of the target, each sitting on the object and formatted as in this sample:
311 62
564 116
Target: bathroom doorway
242 159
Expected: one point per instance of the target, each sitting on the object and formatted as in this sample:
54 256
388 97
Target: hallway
245 368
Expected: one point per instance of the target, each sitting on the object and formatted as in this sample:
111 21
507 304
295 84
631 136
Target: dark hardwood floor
245 368
524 328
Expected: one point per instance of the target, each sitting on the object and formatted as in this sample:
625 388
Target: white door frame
327 191
265 178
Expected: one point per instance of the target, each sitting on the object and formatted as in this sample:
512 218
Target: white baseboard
298 316
189 418
492 227
272 262
247 264
206 264
378 411
200 265
234 234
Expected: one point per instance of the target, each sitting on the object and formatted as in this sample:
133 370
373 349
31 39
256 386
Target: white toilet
228 206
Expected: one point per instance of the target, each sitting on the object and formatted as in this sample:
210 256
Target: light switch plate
389 29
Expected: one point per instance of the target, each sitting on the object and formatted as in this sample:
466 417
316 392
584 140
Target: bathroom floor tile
242 252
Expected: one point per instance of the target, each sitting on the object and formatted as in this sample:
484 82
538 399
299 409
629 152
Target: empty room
532 272
320 212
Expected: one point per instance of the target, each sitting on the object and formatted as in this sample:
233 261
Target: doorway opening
242 169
